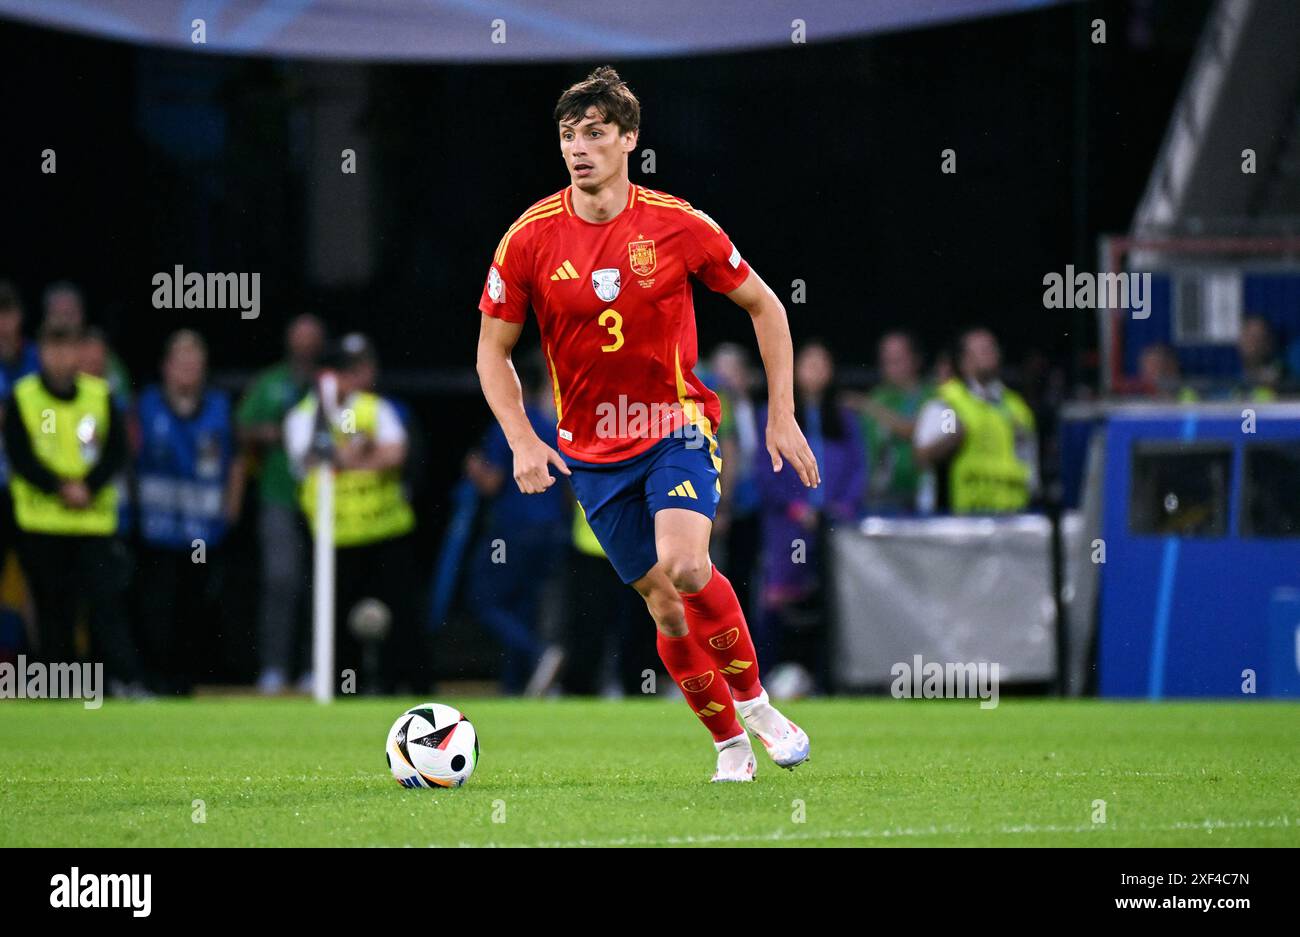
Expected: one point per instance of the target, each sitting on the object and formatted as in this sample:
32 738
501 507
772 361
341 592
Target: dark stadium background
823 167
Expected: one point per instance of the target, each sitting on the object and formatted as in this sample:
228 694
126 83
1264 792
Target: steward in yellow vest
59 450
373 519
370 503
982 440
66 441
369 447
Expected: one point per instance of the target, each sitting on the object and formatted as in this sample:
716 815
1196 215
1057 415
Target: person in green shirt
888 417
280 524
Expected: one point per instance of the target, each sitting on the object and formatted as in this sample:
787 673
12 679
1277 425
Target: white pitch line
1208 825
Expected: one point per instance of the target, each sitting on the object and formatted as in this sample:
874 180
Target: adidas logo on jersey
565 272
684 490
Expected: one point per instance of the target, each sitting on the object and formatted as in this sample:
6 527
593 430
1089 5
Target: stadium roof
462 30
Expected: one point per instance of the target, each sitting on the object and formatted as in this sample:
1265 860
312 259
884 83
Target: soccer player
606 266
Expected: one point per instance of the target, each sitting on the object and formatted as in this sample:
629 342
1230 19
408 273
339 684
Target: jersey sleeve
715 261
508 289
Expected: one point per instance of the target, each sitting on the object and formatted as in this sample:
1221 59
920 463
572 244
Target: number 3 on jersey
612 321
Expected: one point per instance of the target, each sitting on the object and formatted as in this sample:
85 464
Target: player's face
594 151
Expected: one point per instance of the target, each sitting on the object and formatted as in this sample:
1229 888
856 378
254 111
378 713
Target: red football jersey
614 307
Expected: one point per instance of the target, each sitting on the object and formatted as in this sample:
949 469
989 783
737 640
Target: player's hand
784 438
531 466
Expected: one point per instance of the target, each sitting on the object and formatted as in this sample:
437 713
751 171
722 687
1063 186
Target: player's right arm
504 305
501 387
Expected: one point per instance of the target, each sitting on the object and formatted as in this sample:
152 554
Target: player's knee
665 607
688 573
667 612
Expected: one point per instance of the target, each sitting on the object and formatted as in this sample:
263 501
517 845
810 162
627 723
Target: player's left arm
772 328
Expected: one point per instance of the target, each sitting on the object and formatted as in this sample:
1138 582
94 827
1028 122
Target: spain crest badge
641 254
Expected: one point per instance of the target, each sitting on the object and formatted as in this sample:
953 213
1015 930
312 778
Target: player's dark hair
608 94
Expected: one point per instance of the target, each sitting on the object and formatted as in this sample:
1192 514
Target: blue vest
182 470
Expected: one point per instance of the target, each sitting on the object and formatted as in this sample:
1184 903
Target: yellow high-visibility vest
584 538
986 476
66 437
369 506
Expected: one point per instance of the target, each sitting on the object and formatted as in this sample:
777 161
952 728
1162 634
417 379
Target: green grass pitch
883 772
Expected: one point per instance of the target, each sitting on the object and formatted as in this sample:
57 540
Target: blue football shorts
621 499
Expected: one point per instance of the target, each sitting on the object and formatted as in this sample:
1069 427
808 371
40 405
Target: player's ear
629 140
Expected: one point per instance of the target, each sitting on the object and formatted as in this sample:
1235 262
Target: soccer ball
432 745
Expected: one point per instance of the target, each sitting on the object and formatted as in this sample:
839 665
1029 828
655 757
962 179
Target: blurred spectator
943 369
373 519
65 307
520 541
66 440
1261 368
792 619
18 358
978 436
888 416
1160 375
738 526
415 470
95 359
280 527
190 488
1292 365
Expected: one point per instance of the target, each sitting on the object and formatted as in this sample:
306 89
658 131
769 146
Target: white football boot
735 759
785 742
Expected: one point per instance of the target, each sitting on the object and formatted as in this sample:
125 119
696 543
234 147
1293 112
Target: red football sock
717 624
705 693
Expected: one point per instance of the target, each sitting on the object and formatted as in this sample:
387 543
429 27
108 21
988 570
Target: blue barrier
1196 588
